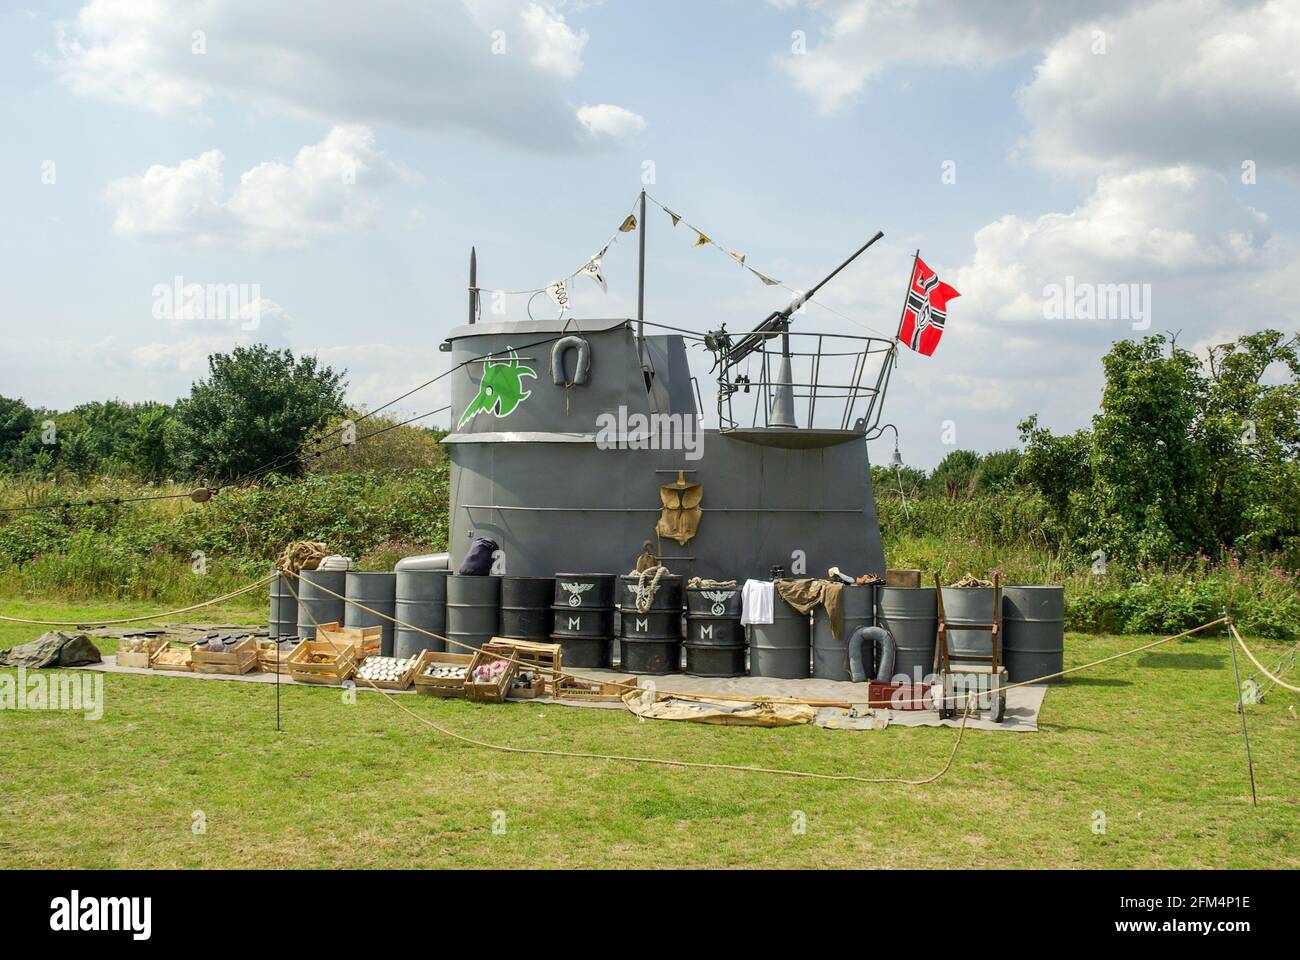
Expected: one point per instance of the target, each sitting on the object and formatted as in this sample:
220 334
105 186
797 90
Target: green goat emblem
500 390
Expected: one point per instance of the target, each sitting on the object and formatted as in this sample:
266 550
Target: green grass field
1151 741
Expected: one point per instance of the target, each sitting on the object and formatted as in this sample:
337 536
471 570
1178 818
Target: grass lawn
1151 741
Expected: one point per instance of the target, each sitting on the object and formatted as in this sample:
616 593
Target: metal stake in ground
1241 709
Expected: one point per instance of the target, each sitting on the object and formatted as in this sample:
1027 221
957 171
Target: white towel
756 602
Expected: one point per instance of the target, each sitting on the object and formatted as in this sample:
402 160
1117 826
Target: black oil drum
473 611
1033 638
782 648
831 653
651 640
715 640
526 608
320 599
377 592
420 599
284 608
583 618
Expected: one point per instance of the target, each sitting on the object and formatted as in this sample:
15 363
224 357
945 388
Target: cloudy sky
336 165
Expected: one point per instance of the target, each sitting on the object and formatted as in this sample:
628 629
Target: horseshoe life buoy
582 370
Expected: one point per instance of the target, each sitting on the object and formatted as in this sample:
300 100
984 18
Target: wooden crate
338 663
536 689
171 658
440 686
593 691
364 641
401 683
542 658
267 652
139 658
241 658
494 692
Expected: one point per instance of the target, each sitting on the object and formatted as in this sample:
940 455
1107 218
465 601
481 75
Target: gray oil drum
378 591
911 615
583 618
651 641
831 653
284 608
966 605
420 599
473 611
1033 632
526 608
715 640
316 606
781 648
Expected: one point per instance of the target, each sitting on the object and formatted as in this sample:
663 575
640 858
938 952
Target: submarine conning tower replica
574 441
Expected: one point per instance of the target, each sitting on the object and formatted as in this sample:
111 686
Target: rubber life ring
582 370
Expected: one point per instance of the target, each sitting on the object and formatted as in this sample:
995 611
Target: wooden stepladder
970 667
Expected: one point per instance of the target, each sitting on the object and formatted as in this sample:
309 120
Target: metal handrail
858 393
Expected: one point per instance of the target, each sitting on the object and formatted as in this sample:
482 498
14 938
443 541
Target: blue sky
1118 166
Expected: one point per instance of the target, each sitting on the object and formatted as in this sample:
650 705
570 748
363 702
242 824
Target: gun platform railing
838 382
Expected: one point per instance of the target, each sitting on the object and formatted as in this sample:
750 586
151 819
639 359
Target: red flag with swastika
926 310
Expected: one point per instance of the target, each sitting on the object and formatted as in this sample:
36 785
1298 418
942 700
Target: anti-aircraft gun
726 353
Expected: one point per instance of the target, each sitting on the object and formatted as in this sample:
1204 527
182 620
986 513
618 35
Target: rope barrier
656 761
1262 669
710 696
151 616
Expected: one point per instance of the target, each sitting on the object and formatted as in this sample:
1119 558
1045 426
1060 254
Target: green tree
148 447
1187 455
956 473
256 408
16 419
997 471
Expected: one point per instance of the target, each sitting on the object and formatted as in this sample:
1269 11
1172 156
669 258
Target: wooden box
364 641
313 661
495 690
401 683
593 691
141 657
272 658
241 658
540 658
171 658
902 578
440 686
536 689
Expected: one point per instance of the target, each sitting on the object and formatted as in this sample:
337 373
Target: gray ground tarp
57 648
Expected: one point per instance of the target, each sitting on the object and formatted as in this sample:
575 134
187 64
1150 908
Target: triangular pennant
675 216
558 291
628 225
738 257
592 269
767 281
701 240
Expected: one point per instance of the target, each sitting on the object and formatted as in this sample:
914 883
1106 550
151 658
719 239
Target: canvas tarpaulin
56 648
739 713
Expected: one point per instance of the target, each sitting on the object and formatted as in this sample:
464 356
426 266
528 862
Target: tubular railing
838 382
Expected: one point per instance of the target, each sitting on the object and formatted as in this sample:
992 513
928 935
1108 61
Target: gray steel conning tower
569 437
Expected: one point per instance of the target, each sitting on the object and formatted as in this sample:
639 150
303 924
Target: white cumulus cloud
606 119
328 187
497 67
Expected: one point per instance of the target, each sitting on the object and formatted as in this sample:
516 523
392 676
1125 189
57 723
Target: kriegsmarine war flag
926 309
